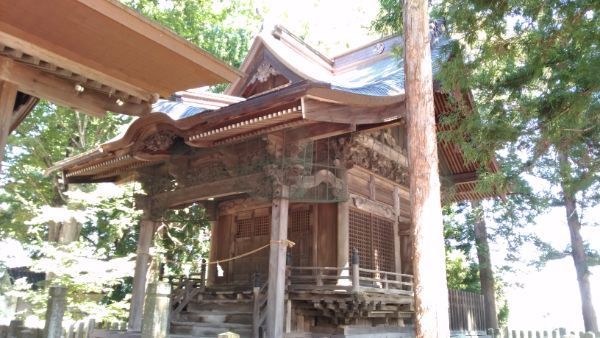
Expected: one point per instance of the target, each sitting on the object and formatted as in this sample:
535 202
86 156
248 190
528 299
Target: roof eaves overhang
287 107
109 50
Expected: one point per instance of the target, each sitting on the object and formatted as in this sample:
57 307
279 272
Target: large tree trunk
486 273
431 290
577 250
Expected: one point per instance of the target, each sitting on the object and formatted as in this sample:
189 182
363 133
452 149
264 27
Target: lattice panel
299 221
244 228
373 236
383 243
360 237
262 225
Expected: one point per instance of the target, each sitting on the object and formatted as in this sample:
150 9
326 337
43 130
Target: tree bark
577 249
486 273
431 290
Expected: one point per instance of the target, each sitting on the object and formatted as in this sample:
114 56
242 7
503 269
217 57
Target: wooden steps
211 312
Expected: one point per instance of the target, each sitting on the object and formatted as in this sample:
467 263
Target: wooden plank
62 92
277 258
327 234
229 186
8 95
342 113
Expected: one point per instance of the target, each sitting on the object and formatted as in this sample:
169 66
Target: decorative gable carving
263 72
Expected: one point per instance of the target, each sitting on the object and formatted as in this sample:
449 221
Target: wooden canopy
87 54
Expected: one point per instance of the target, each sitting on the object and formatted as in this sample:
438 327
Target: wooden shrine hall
302 148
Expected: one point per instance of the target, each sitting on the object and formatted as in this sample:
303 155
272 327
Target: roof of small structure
51 48
361 87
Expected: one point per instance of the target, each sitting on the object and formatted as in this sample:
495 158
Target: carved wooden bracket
322 176
376 208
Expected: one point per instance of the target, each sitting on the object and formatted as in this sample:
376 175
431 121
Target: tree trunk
486 273
431 290
577 250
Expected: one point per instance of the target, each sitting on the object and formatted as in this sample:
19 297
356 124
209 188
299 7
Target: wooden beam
8 95
277 263
63 62
21 113
229 186
351 114
317 130
62 92
464 177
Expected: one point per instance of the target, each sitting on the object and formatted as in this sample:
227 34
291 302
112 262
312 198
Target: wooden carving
263 72
159 142
373 207
352 151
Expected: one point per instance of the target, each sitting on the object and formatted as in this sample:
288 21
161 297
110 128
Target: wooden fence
81 329
467 314
557 333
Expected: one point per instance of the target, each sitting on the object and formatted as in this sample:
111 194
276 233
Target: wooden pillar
277 263
397 255
211 210
343 233
8 95
142 262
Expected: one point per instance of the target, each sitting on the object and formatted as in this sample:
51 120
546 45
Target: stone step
209 329
242 317
222 306
205 299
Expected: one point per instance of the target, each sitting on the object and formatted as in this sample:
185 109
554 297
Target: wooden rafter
110 43
60 91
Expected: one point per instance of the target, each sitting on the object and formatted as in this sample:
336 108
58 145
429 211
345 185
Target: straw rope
286 242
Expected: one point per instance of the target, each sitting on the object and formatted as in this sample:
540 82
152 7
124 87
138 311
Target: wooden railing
353 279
185 289
259 311
360 280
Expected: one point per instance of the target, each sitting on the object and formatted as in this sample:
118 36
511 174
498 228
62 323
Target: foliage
184 238
223 29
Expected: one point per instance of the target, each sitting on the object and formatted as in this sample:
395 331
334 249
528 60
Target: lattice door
300 232
373 237
252 230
